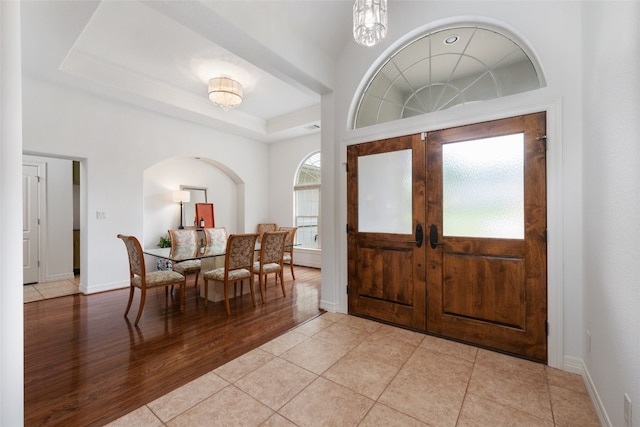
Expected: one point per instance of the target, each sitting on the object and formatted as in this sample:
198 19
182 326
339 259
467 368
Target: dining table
210 256
189 252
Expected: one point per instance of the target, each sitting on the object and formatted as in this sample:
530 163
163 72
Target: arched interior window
307 202
444 69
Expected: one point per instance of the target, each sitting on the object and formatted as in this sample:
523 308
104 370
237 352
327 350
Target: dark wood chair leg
280 273
253 295
130 299
262 287
183 285
226 298
142 299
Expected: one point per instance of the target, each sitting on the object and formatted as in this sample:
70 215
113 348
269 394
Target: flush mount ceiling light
225 92
451 39
369 21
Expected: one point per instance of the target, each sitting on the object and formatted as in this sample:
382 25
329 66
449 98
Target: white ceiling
160 54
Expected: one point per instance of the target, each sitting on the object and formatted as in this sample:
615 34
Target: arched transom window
444 69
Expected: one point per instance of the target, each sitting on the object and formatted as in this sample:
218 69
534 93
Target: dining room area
87 363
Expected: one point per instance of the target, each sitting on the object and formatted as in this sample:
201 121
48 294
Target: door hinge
546 235
546 328
423 136
38 263
347 229
38 221
38 178
543 138
347 289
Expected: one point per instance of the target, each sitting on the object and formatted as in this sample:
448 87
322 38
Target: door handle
419 236
433 236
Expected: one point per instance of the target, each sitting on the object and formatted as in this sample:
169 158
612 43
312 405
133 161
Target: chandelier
225 92
369 21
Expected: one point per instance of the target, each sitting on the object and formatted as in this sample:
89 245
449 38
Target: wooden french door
486 259
386 210
480 274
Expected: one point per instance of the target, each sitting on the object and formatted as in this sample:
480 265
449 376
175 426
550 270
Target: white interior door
30 239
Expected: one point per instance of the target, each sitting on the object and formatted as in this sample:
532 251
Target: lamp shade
181 196
225 92
369 21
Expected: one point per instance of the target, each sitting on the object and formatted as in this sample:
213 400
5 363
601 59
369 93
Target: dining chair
263 228
271 256
238 266
288 250
139 278
185 238
215 235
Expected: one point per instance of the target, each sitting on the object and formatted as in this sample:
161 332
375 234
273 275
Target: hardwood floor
85 364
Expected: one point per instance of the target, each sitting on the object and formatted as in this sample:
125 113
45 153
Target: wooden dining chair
271 256
185 238
139 278
238 266
215 235
288 250
263 228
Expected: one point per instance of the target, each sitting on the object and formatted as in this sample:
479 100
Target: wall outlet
101 214
627 411
588 341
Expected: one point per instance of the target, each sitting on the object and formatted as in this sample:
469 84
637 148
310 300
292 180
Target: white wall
611 67
285 157
11 306
116 144
161 213
57 219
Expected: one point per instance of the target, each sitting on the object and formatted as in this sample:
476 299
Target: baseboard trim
58 277
331 307
103 287
577 366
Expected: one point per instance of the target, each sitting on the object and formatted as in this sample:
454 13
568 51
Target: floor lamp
181 197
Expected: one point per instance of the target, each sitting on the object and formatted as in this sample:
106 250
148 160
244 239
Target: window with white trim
307 202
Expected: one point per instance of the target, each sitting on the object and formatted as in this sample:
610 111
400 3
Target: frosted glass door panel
483 187
384 193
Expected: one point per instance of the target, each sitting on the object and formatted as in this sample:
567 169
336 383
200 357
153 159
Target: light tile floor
340 370
48 290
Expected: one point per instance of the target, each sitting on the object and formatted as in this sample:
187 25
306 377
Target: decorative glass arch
444 69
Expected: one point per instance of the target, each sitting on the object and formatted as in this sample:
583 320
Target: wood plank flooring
86 365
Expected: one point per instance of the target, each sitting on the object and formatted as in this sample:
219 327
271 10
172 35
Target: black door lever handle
433 236
419 236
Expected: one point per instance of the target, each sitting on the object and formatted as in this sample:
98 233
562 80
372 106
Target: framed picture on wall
204 215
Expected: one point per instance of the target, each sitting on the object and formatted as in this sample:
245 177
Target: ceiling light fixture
451 39
225 92
369 21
